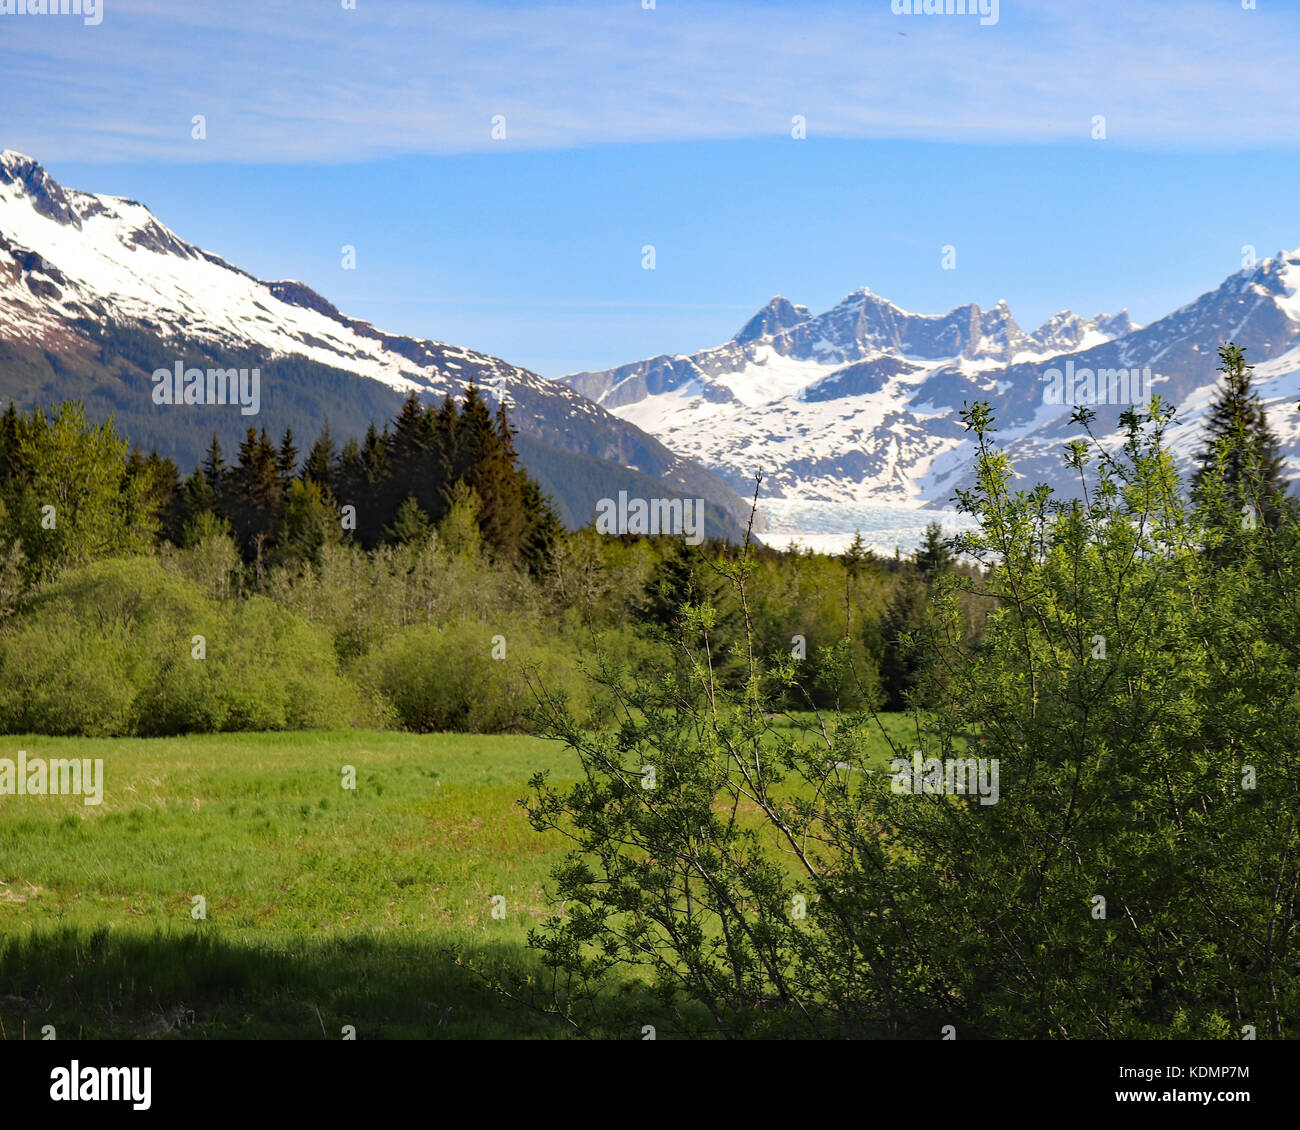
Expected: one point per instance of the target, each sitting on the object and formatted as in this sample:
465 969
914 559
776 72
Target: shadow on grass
98 984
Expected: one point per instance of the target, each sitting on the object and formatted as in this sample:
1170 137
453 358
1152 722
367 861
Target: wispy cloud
288 81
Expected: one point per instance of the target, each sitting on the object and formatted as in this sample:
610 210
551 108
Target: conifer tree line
392 486
399 482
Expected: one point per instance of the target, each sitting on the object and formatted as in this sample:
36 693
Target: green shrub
113 649
1128 871
276 672
436 678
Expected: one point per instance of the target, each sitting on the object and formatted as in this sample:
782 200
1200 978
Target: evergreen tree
474 434
544 529
903 616
320 463
10 433
498 482
857 554
1240 465
932 557
286 460
254 500
444 426
407 461
196 497
371 517
684 580
352 483
310 522
160 480
214 466
411 526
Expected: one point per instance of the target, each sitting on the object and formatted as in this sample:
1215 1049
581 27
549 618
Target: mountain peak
18 166
778 315
30 179
857 295
1114 325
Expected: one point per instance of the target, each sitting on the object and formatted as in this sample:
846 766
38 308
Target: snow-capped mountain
859 406
95 293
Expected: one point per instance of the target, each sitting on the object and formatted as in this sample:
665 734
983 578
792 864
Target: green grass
325 906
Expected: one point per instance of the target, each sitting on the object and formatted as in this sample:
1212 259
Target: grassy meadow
325 906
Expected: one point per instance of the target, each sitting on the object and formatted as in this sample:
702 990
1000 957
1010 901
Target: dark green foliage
687 594
398 482
933 557
901 621
1240 471
411 525
321 462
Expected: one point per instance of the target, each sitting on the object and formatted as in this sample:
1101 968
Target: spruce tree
474 433
411 526
412 468
371 517
933 556
352 484
196 497
857 554
214 465
903 617
254 500
319 466
9 435
163 490
1240 465
445 425
498 482
286 459
544 528
685 579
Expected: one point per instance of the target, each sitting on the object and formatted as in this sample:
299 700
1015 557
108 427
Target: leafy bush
110 649
438 678
1134 874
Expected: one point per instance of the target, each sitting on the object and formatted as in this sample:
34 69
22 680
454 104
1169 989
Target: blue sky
672 127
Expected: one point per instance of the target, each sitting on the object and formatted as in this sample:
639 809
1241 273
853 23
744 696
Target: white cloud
297 82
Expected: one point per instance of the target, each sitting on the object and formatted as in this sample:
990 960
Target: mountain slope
95 294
